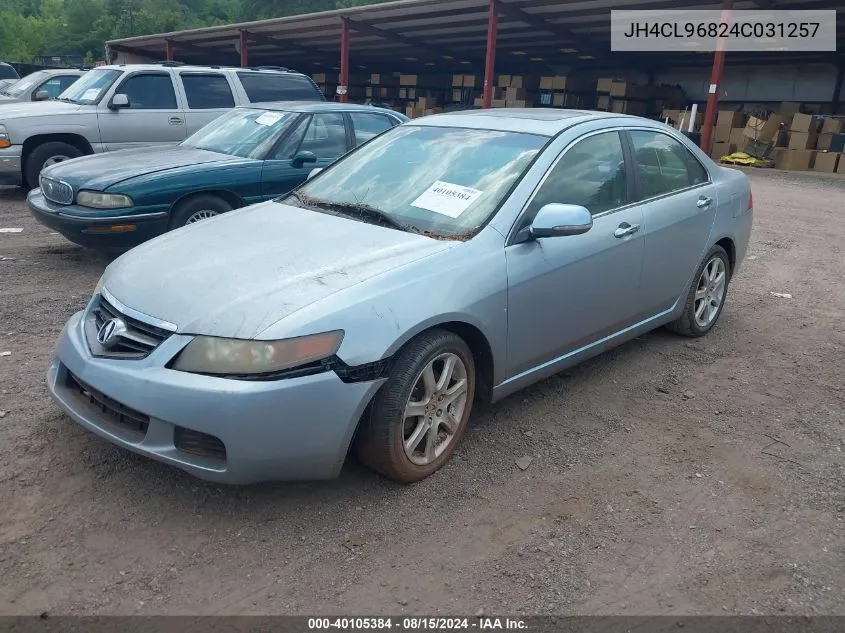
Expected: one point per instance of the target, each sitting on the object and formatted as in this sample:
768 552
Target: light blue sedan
450 261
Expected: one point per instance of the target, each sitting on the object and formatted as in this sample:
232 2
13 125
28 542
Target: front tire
706 297
421 413
45 155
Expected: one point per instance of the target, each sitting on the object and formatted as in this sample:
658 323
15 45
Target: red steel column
715 81
344 60
490 59
244 51
168 50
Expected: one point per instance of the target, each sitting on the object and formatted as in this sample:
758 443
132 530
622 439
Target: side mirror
303 157
119 101
41 95
556 220
314 172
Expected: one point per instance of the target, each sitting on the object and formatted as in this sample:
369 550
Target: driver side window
591 173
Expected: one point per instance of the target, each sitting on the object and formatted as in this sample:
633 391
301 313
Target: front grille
197 443
126 418
57 191
133 339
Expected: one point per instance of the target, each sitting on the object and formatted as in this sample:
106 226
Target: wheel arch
79 142
730 248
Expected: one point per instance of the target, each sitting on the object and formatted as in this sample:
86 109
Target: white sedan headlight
234 357
100 200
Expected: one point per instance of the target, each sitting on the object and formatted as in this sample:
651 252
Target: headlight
233 357
5 141
100 200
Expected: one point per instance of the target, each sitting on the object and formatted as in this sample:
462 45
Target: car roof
318 106
181 67
540 121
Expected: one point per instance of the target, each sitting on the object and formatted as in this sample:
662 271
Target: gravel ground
668 476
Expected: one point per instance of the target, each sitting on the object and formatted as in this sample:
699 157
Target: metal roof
450 36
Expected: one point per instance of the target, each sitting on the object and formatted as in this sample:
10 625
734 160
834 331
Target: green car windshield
244 132
441 180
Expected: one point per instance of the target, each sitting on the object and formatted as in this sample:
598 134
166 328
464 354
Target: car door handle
175 120
626 229
704 202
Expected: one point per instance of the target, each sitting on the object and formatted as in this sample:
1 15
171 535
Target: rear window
277 87
8 72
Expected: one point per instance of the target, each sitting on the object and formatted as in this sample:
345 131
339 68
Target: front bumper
11 166
283 430
83 226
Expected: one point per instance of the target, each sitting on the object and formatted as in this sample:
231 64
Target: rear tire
706 297
421 413
45 155
198 208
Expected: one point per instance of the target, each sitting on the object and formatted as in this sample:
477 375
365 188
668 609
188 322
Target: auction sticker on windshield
447 199
269 118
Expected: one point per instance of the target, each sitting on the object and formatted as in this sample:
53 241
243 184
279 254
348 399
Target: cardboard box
619 88
802 140
624 106
504 81
797 159
559 100
737 136
827 162
604 85
804 123
603 102
730 119
722 134
457 81
457 95
528 82
763 129
324 78
407 80
513 93
823 141
470 81
547 83
519 103
832 126
721 149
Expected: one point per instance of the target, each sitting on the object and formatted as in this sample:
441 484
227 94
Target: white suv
137 105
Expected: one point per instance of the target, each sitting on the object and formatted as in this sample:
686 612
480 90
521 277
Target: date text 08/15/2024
415 624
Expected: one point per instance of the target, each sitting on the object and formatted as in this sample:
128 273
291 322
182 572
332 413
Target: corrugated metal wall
759 84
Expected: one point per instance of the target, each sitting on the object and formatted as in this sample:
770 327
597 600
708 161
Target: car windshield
244 132
22 85
443 181
89 88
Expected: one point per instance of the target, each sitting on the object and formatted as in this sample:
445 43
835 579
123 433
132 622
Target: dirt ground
668 477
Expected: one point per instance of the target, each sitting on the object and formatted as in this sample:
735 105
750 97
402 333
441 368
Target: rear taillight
750 201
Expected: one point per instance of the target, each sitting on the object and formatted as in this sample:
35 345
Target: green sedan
116 200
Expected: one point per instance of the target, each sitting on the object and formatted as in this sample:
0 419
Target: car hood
5 99
100 171
236 275
16 109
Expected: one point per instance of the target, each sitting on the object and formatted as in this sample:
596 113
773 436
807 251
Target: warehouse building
424 56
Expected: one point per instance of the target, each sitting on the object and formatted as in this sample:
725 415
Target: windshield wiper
355 210
65 99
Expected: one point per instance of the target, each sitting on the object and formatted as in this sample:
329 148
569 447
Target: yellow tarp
741 158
